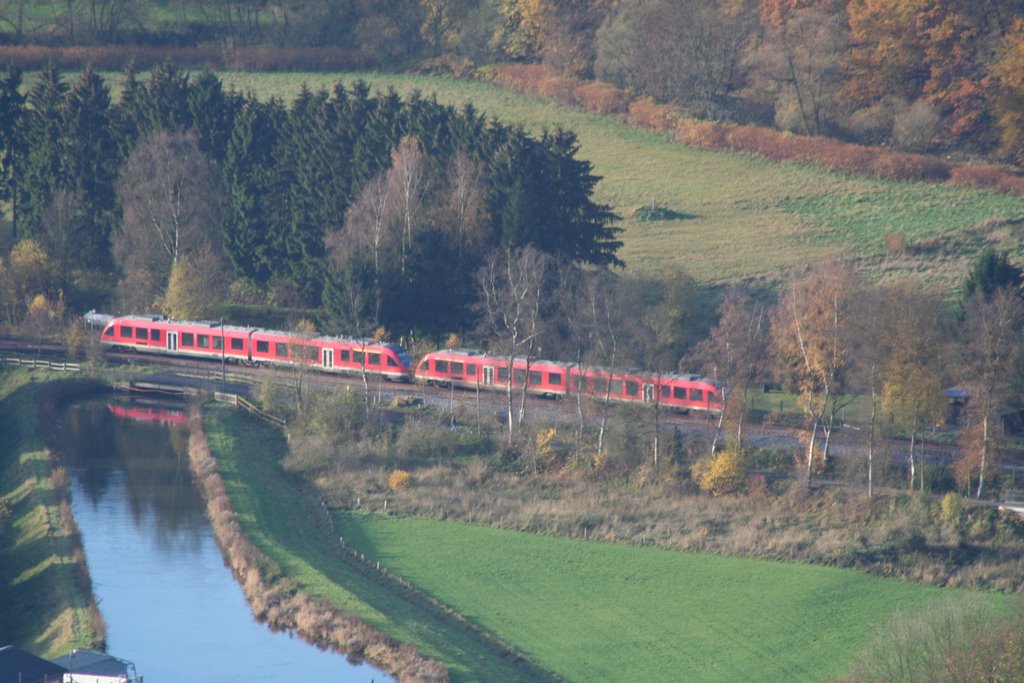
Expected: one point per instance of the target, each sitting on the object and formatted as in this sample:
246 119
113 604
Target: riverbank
45 588
278 542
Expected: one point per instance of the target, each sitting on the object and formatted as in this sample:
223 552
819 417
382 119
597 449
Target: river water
171 605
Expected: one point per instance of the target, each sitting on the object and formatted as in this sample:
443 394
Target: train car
331 354
673 391
158 334
470 369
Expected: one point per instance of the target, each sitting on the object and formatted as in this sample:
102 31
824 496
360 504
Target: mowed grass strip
42 609
594 611
278 519
747 216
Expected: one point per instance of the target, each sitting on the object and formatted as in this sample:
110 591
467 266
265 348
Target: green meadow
584 610
736 216
593 611
276 515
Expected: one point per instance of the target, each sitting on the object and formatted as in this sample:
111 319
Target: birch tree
991 354
812 337
512 284
171 199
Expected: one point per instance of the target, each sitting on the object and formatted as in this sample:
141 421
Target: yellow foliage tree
399 479
723 474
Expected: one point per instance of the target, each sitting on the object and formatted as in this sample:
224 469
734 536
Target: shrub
646 113
521 77
914 127
894 242
601 98
896 166
950 508
702 134
399 479
560 88
723 474
423 439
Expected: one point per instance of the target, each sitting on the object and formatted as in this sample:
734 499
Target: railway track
465 404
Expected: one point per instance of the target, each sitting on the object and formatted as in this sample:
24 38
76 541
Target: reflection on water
171 605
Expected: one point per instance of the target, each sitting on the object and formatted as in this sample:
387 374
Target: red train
474 369
255 346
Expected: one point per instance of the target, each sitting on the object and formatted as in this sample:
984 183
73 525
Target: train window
599 385
280 349
218 343
535 377
142 333
373 359
204 341
155 335
457 368
126 332
311 352
262 347
109 332
237 344
555 378
616 387
357 357
518 376
679 393
188 339
471 369
580 382
392 363
696 394
632 388
346 355
666 391
441 366
503 374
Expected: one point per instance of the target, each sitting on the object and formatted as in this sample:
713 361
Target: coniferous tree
42 134
992 272
249 174
12 112
90 163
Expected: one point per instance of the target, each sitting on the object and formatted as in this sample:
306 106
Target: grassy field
592 611
42 608
276 518
744 216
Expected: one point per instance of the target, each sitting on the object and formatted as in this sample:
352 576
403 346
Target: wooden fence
44 364
236 400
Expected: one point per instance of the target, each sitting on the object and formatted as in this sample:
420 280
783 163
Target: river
171 605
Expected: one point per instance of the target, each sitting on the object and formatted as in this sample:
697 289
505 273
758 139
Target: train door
488 375
172 341
328 358
648 393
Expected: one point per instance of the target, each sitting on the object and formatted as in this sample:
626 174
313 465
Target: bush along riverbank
45 587
276 600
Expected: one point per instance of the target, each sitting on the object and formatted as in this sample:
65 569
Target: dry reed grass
276 599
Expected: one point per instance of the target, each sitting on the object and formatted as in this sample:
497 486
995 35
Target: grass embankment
279 521
594 611
736 215
46 603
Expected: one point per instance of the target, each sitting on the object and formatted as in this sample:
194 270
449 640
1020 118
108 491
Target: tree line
921 75
824 335
378 208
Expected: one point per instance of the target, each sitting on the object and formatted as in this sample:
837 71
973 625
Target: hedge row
851 158
117 57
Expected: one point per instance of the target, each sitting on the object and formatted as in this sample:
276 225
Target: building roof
18 666
93 662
